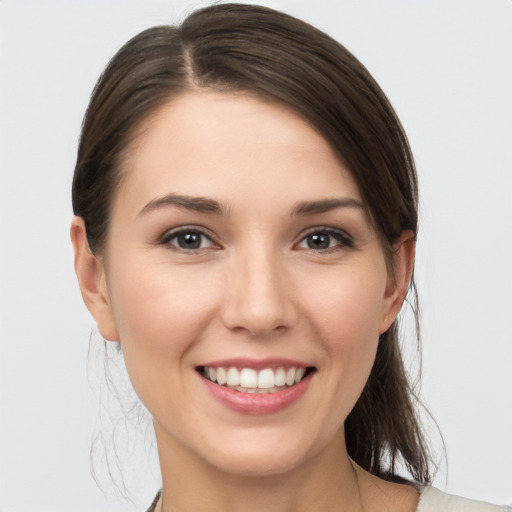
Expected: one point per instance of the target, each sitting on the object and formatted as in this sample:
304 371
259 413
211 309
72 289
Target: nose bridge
257 298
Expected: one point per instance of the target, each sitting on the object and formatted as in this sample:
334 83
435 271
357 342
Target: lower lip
257 403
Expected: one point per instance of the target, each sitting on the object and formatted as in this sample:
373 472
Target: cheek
348 310
154 301
160 316
346 320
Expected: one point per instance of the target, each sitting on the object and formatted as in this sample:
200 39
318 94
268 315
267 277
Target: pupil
190 240
318 241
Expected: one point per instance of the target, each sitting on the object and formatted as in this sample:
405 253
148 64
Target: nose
258 295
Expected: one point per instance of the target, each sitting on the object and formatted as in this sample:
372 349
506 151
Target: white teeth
248 380
233 377
266 379
221 376
280 377
299 374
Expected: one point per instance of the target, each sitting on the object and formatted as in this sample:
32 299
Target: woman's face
239 249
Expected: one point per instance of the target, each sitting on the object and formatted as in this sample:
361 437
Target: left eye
323 239
188 240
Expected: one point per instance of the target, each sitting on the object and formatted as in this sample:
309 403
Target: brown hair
247 48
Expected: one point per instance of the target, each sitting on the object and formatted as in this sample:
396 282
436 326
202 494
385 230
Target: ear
398 279
91 276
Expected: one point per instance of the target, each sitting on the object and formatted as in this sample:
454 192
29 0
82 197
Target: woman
246 216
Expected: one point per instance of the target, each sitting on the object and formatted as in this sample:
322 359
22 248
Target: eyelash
186 230
343 240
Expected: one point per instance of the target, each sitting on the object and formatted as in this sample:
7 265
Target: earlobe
399 278
91 276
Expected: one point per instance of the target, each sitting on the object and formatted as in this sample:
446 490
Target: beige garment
434 500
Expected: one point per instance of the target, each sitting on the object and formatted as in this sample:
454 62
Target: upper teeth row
250 378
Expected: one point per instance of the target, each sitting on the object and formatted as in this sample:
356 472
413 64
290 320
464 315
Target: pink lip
257 403
257 364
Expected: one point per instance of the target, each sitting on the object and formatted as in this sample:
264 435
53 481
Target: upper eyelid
173 232
328 229
183 229
346 241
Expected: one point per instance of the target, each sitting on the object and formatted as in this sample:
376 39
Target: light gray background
446 66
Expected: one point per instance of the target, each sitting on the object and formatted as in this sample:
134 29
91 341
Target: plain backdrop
446 66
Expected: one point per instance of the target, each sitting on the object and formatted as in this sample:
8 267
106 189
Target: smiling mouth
249 380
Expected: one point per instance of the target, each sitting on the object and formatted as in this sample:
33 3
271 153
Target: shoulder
434 500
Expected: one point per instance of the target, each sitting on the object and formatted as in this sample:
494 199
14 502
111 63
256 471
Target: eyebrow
210 206
325 205
196 204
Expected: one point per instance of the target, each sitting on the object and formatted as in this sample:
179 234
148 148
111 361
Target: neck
327 481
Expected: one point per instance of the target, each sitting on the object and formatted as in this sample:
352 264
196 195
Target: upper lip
256 364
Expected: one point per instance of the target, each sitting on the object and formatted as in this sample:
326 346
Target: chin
262 457
259 463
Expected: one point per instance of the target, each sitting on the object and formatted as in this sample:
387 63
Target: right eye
187 239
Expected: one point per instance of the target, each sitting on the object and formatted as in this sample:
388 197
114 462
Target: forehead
225 145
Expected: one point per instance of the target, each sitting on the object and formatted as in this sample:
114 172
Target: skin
254 288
